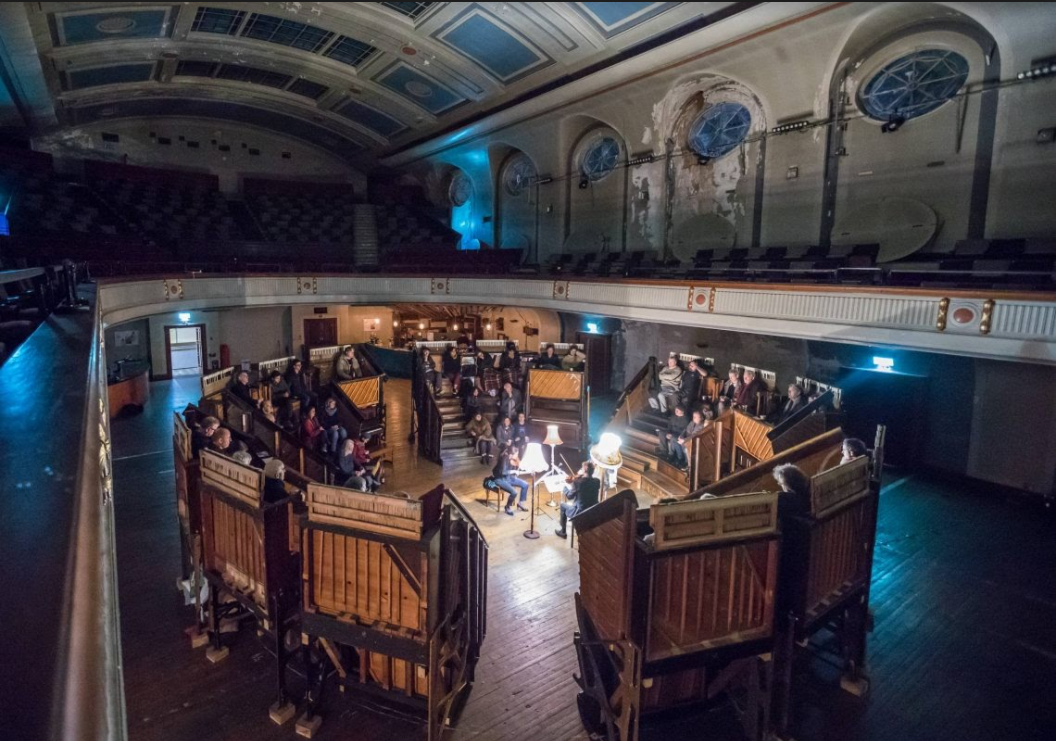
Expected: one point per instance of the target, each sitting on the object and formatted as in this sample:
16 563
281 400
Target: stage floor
964 597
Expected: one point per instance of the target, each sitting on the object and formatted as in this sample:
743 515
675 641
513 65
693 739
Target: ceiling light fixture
790 126
892 124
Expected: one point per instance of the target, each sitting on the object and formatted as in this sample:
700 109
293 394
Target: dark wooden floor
964 597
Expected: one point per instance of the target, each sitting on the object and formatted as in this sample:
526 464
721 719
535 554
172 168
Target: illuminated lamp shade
607 451
421 325
454 327
533 461
552 436
395 323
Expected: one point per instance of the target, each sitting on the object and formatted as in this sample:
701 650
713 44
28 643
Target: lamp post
533 463
553 439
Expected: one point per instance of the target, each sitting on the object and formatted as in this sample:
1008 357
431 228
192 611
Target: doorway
896 400
598 348
320 333
185 350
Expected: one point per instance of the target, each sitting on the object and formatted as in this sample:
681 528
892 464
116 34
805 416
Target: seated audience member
240 388
274 478
678 445
221 442
731 386
300 386
581 494
507 480
312 433
520 434
365 459
510 365
549 359
473 404
722 406
670 381
201 437
853 448
346 366
708 414
796 401
676 427
481 436
795 492
355 474
333 431
269 411
427 367
279 391
504 434
575 360
689 394
240 453
452 365
511 402
748 394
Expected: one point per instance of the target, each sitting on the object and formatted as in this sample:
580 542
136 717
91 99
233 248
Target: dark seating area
399 224
299 213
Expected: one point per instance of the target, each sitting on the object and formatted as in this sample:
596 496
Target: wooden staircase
643 468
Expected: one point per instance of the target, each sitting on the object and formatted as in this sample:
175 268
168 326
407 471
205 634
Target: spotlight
702 160
184 316
584 183
892 124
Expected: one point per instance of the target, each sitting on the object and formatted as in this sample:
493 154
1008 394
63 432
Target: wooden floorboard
964 595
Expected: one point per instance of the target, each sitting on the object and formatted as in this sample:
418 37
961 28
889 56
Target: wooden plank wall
606 552
234 545
839 553
368 581
711 597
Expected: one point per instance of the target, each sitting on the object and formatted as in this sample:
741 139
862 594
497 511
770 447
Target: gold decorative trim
944 310
988 316
561 289
711 300
440 285
305 284
172 289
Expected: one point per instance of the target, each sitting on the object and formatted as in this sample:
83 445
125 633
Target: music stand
553 439
533 463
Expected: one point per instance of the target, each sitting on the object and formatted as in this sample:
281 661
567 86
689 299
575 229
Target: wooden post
718 449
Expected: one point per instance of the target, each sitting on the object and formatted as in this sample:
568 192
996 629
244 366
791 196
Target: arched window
915 84
518 174
460 190
600 157
719 129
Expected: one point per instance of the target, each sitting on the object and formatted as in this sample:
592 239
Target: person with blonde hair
274 478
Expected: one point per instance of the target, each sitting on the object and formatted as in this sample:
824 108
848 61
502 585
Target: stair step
657 485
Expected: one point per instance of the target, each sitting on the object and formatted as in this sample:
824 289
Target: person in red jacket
311 430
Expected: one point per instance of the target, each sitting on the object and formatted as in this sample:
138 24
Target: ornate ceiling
360 79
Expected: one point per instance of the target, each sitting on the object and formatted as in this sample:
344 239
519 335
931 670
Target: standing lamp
606 456
553 439
533 463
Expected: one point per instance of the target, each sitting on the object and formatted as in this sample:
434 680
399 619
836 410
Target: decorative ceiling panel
106 25
370 117
484 39
418 88
611 19
114 74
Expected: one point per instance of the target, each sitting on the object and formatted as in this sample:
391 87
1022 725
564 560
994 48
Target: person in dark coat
689 386
300 386
452 366
580 495
203 434
240 388
274 476
549 359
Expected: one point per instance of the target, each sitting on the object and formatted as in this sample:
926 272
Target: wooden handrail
632 386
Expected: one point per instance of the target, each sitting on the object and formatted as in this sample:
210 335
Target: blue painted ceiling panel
372 119
416 87
110 25
483 41
118 73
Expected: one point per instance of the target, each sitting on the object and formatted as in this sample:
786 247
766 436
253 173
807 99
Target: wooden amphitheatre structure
385 592
710 591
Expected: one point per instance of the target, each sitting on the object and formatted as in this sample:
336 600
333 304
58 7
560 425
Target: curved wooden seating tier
826 556
678 615
393 598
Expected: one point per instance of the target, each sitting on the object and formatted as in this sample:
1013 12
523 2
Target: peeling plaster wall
787 76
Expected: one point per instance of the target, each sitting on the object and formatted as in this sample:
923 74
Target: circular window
600 157
719 129
460 190
915 84
518 175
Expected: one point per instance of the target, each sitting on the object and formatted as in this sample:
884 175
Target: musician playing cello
581 492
